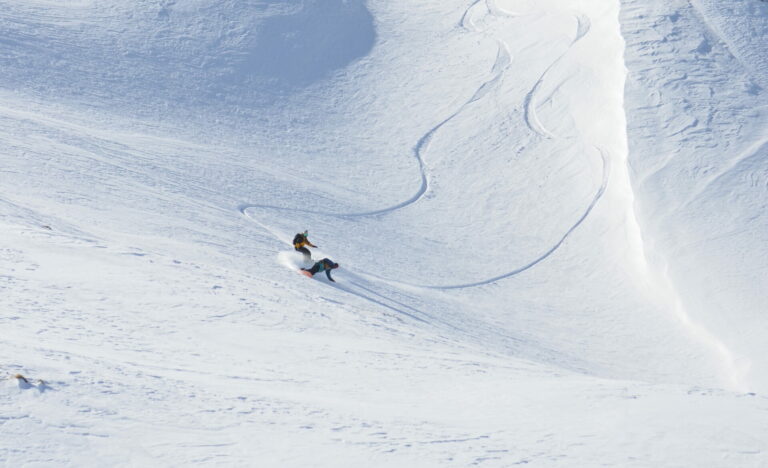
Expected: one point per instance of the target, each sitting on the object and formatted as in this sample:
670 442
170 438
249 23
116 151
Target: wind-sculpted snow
307 42
165 54
698 137
520 236
742 29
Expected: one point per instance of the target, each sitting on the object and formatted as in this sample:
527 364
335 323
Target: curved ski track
501 64
529 106
537 260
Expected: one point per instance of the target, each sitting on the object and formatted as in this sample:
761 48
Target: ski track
482 332
381 303
466 21
357 286
539 259
502 62
500 66
532 120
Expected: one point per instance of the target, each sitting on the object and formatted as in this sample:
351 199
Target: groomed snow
550 219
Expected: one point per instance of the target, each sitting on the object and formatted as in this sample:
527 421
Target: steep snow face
502 297
698 127
155 56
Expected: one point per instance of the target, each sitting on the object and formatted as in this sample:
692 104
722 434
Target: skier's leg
305 251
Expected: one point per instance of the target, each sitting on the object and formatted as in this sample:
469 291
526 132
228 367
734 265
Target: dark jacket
325 265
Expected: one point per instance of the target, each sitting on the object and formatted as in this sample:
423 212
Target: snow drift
550 219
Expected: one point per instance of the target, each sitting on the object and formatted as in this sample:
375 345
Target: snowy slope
699 155
519 195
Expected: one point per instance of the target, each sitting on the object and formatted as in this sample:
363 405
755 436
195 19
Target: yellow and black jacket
300 241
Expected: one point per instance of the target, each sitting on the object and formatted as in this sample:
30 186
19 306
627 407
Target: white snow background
550 218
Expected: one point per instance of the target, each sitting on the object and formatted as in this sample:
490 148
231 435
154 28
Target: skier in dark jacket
325 265
300 242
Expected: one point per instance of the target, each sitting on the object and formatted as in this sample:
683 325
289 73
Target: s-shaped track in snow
500 66
529 106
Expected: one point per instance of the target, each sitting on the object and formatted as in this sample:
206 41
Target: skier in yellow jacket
300 242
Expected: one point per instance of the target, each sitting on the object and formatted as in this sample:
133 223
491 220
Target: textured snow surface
550 218
698 138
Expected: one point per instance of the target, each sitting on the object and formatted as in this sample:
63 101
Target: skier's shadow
400 311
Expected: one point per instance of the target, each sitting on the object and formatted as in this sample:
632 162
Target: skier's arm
328 274
311 244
